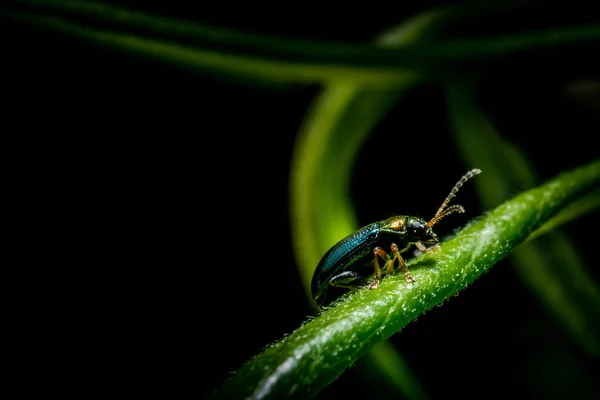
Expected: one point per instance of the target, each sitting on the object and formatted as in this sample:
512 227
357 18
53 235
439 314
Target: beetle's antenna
443 211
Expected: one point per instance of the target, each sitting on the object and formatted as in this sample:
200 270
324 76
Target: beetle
351 262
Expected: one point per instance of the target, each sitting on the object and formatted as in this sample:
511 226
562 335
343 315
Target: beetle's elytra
353 260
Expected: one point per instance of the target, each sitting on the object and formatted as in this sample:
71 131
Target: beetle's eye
417 225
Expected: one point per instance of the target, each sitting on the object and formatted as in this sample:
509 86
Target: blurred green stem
227 52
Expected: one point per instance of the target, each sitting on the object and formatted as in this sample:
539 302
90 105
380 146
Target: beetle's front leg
402 263
424 249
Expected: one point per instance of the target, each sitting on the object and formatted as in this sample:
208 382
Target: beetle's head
418 231
413 229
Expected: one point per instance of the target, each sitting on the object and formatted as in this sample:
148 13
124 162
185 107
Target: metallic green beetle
350 262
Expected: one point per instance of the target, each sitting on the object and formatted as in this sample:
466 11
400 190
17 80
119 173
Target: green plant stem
306 361
575 210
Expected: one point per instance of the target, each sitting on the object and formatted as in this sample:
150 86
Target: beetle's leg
402 263
426 249
390 263
378 252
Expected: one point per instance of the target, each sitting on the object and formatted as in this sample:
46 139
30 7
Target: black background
181 183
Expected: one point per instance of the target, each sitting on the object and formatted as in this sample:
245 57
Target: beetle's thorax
395 224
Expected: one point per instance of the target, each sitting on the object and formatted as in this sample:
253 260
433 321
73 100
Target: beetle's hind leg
403 266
